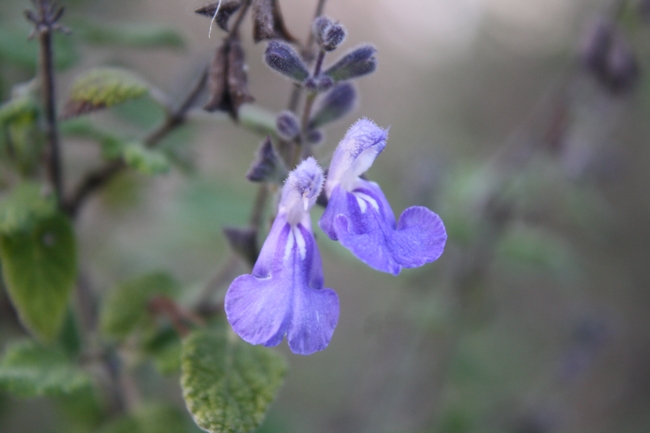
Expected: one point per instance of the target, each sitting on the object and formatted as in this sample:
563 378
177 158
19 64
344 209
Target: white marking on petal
362 204
300 241
366 199
289 246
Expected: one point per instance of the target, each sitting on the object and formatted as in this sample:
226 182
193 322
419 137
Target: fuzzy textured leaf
125 307
102 88
29 370
39 260
228 385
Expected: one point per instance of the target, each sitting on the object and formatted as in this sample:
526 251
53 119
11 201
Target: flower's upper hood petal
355 154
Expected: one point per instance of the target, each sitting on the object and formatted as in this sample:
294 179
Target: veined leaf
228 385
28 370
102 88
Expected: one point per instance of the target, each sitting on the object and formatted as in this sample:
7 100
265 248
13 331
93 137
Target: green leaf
81 411
38 253
228 385
125 307
140 35
112 145
143 113
28 370
102 88
539 248
21 138
164 346
146 161
151 418
18 108
16 49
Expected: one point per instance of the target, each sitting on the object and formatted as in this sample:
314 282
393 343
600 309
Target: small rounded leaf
102 88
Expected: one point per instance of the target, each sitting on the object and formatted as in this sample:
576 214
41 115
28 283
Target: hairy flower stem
297 90
45 26
98 178
305 148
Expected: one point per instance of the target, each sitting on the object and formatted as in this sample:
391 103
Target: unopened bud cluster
338 95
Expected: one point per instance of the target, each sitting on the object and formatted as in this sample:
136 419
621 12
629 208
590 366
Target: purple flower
359 216
284 295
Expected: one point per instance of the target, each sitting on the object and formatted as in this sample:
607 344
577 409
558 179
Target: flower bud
329 35
287 125
315 136
334 105
360 61
268 166
282 57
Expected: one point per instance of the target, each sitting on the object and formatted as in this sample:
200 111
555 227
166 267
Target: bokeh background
534 320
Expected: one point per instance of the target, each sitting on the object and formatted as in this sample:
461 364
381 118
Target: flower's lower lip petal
369 247
420 237
258 309
364 223
315 315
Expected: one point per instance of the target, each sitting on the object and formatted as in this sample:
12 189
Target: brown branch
45 23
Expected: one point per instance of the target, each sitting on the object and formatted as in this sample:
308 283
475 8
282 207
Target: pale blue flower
284 294
359 216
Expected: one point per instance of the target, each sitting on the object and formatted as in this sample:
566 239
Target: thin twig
98 178
297 90
45 22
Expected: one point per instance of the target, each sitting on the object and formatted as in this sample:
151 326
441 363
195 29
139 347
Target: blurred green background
534 320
